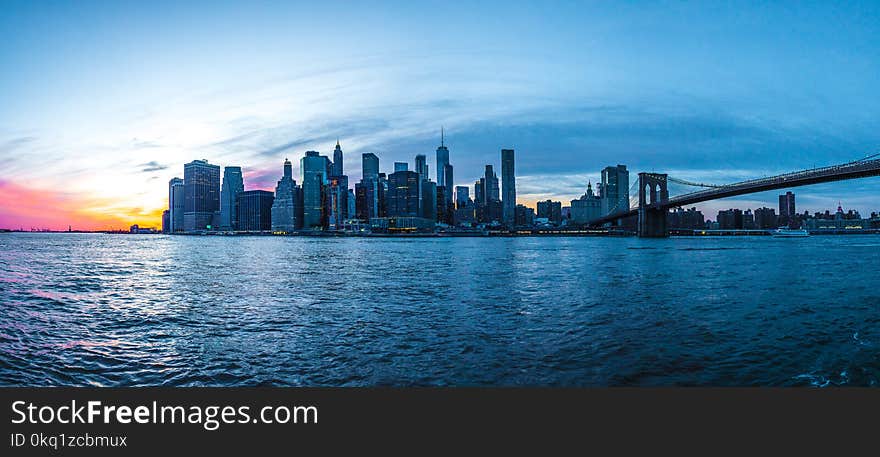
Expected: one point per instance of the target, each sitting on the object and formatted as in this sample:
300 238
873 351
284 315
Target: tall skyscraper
255 210
370 166
201 193
450 183
491 187
314 169
428 201
175 205
400 166
508 179
422 166
337 161
337 188
442 161
786 209
287 208
614 189
233 183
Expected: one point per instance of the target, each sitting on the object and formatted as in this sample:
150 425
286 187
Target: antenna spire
441 136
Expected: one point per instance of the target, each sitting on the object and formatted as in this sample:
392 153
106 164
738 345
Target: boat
789 233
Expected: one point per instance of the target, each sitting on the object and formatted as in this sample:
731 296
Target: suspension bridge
652 202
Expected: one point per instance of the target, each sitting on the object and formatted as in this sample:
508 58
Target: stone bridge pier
653 196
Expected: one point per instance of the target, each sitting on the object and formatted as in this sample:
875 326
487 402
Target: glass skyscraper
442 161
175 205
314 169
336 169
404 190
233 183
201 189
255 210
508 181
370 166
614 189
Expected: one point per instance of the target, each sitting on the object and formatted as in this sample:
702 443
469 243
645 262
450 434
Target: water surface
145 310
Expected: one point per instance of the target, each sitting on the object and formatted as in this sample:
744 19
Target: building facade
508 180
314 168
255 210
586 208
176 201
201 189
287 208
233 183
614 189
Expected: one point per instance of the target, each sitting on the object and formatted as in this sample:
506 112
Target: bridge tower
653 196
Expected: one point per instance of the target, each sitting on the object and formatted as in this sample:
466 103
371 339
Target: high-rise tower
508 186
442 161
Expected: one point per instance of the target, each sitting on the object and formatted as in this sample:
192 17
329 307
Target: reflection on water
105 310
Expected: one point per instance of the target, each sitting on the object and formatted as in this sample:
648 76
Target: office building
369 166
166 221
314 168
462 195
336 167
442 162
337 202
429 200
614 189
524 216
787 211
255 210
201 189
287 208
551 211
233 183
765 218
422 166
404 192
175 205
400 166
508 179
731 219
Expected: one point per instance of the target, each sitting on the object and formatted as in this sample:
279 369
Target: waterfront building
464 213
233 183
429 200
404 193
550 210
400 166
337 201
748 220
765 218
336 167
686 219
351 204
255 210
614 189
201 189
448 187
287 208
403 224
166 222
314 168
586 208
442 162
508 178
731 219
787 210
369 166
524 216
175 205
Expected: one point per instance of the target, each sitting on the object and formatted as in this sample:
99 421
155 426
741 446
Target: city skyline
105 104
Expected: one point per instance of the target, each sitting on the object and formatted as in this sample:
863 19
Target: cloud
152 166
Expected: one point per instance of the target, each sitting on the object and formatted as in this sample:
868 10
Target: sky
101 103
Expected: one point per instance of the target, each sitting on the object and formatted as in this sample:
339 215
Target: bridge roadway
851 170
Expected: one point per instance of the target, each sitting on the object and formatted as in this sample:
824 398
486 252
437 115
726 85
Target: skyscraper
201 194
255 210
461 195
404 190
400 166
370 166
428 205
314 169
337 209
233 183
508 179
175 205
337 161
614 189
442 161
422 166
287 207
786 209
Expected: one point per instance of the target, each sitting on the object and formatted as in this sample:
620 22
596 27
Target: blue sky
103 102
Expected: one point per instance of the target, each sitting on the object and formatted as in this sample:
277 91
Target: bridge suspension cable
693 184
